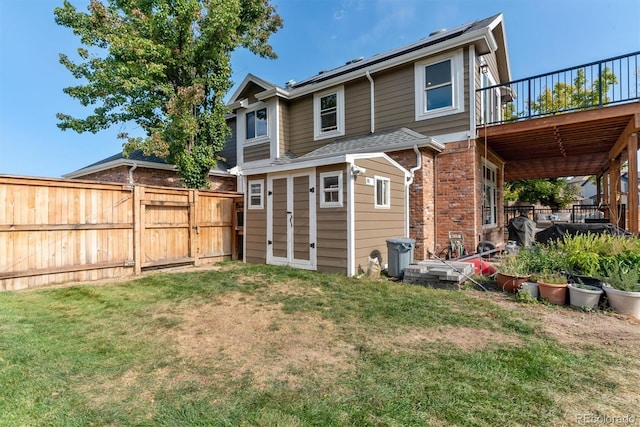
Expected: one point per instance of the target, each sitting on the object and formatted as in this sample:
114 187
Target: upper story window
328 113
439 88
491 106
256 122
331 189
383 192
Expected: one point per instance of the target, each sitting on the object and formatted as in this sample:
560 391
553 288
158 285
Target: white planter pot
531 287
623 301
585 296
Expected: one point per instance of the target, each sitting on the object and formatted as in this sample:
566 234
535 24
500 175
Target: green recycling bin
400 255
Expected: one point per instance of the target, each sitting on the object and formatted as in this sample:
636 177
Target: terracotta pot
509 283
555 293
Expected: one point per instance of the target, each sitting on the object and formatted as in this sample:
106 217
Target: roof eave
482 34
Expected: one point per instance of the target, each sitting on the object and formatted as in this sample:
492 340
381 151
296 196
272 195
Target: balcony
578 121
594 85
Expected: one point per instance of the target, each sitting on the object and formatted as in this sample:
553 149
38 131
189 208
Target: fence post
193 227
138 216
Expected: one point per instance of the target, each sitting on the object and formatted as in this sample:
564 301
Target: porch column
614 190
632 198
599 179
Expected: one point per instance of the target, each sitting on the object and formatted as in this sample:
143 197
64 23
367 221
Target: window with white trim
491 105
489 200
256 194
439 88
331 189
328 113
383 192
256 123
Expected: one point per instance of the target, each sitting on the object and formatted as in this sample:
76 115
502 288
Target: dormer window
256 123
328 113
439 88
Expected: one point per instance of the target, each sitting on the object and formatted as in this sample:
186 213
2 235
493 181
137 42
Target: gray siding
229 153
257 152
255 229
331 228
374 226
394 108
300 140
283 126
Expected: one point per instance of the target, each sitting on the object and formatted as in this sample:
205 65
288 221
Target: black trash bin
400 255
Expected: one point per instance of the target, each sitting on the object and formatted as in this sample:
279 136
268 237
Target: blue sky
542 36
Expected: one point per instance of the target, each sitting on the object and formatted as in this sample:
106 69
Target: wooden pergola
582 143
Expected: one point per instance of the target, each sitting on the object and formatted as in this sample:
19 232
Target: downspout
134 167
373 108
408 184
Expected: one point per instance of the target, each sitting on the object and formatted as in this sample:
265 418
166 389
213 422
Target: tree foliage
165 65
556 193
581 94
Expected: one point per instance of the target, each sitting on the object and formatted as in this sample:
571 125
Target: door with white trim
291 231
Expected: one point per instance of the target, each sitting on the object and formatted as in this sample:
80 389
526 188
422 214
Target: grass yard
246 345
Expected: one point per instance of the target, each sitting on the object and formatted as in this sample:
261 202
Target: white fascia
480 34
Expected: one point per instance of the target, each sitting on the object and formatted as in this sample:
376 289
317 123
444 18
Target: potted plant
621 275
584 296
512 272
552 286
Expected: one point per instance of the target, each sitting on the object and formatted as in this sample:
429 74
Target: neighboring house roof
138 158
488 34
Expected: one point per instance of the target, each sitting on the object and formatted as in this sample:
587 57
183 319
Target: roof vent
290 84
353 61
436 32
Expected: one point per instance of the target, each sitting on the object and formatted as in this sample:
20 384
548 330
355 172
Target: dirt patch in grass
467 339
241 335
575 328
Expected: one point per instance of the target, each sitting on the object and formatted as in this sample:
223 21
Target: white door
291 231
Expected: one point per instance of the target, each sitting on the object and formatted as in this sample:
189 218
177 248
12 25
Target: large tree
556 193
165 65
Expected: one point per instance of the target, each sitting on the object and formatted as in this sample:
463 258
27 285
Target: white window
383 192
256 194
256 123
331 189
328 114
438 86
491 111
489 201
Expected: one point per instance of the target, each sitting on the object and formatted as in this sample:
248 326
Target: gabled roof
486 34
433 39
249 79
138 158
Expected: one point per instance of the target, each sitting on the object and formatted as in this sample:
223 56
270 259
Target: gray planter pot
531 287
585 296
622 301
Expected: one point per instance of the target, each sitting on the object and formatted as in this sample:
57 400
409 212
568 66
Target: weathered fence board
54 230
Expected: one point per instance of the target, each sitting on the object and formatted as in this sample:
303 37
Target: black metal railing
610 81
576 213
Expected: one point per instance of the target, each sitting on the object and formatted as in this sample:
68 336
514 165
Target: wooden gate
54 230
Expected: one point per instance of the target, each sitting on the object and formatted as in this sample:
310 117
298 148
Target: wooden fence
54 230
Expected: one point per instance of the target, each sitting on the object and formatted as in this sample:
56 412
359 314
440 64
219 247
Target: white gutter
134 167
373 99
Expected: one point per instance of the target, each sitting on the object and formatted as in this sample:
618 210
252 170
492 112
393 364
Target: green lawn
267 346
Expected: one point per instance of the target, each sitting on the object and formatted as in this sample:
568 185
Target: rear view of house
383 147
